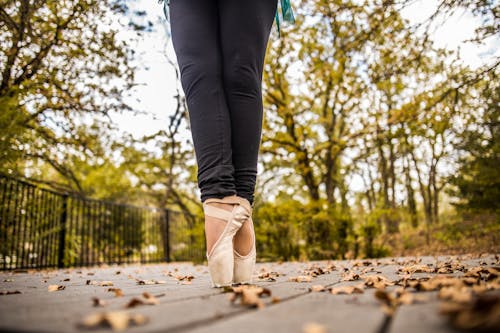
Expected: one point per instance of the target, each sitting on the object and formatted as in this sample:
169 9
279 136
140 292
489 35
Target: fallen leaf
350 276
480 314
317 287
313 328
456 294
55 287
300 278
184 277
98 302
147 299
269 276
249 295
118 292
117 320
416 269
348 290
148 282
106 283
8 292
377 281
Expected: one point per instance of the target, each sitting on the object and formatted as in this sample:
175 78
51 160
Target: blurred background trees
375 141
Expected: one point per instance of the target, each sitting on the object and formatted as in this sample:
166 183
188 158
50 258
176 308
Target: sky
157 83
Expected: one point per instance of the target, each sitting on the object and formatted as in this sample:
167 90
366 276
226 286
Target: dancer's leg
245 26
195 37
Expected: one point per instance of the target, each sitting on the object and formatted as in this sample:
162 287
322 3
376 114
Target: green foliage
477 182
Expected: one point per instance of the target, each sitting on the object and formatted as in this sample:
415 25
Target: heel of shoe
244 265
221 258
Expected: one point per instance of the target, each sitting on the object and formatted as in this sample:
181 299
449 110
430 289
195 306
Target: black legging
220 47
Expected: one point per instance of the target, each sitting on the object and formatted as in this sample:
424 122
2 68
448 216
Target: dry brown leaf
317 287
348 290
377 281
55 287
456 294
106 283
313 328
118 292
350 276
316 270
117 320
8 292
98 302
249 295
184 277
481 314
269 276
147 299
300 278
150 298
148 282
415 269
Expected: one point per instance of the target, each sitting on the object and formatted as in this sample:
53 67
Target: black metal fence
41 228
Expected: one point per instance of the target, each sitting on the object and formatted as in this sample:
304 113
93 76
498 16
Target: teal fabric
286 14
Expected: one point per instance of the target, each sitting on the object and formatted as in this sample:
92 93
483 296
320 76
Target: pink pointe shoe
221 257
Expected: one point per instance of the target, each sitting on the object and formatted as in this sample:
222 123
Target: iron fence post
62 231
167 234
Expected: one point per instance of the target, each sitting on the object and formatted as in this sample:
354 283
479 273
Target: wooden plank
337 313
417 318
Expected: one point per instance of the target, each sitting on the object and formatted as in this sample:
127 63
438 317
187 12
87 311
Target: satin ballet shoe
244 265
221 257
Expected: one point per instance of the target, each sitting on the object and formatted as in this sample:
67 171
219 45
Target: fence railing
41 228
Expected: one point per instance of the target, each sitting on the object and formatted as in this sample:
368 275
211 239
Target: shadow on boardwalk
186 303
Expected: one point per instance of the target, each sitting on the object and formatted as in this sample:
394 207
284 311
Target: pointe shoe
244 264
221 257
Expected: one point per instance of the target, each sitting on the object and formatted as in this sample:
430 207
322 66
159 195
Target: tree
61 63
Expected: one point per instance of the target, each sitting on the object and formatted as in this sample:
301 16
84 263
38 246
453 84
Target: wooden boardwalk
184 302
